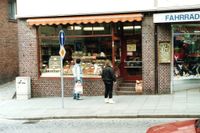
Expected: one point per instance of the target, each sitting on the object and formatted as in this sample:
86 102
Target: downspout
156 57
113 46
38 51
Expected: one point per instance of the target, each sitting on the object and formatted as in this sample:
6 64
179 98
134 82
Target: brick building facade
161 49
49 86
8 45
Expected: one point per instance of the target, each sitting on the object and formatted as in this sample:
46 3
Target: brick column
164 70
148 55
27 50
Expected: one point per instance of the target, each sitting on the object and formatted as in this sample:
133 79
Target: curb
103 117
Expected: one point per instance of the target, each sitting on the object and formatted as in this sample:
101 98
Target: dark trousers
108 89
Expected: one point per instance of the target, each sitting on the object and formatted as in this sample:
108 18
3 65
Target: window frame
12 10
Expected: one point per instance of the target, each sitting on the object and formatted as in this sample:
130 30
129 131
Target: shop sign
164 52
131 47
176 17
62 52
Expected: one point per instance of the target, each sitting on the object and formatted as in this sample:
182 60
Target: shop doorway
131 60
131 52
186 56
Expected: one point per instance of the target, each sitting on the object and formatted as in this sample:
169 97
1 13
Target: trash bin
23 88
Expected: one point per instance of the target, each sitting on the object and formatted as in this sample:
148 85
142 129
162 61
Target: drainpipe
113 46
156 57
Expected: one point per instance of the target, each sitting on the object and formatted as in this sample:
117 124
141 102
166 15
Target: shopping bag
138 86
78 88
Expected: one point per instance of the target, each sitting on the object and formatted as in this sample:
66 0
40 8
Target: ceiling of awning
85 19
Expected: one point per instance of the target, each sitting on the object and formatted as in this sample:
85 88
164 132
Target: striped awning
85 19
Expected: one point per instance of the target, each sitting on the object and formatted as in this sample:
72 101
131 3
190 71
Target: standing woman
108 77
78 76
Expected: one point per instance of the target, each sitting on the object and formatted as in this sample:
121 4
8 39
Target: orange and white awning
85 19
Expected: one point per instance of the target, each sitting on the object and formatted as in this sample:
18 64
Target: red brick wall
8 45
52 87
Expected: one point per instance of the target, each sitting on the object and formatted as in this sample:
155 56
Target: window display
92 51
187 51
93 44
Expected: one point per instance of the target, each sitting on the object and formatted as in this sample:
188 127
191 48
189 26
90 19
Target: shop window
12 11
186 51
89 45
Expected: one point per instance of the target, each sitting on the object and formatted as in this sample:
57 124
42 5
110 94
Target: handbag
78 87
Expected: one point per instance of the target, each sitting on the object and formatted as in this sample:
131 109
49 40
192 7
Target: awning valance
85 19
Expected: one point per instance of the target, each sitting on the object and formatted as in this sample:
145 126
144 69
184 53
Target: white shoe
106 100
111 101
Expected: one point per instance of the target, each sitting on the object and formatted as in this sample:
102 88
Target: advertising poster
164 52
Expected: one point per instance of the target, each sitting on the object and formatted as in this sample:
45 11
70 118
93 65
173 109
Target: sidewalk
7 91
180 104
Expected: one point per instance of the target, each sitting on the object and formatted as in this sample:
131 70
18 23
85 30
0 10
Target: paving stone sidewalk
7 91
179 104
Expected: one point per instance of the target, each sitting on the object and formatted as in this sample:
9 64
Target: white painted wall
34 8
39 8
177 3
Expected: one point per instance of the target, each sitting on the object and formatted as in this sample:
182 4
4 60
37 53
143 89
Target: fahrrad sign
176 17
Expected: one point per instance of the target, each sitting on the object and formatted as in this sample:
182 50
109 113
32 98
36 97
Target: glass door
131 51
132 67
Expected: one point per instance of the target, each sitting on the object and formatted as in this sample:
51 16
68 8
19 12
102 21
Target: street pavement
179 104
7 91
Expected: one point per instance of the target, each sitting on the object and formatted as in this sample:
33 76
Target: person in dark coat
108 77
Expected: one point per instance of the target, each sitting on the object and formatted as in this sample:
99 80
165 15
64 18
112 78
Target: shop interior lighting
137 27
98 28
74 28
132 27
87 28
70 28
77 27
128 27
93 28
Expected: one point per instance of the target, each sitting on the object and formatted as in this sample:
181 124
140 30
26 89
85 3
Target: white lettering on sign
176 17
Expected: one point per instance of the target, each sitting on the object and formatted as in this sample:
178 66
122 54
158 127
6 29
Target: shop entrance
131 59
186 66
